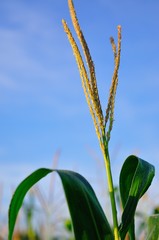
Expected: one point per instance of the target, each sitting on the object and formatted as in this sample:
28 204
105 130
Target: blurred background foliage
44 213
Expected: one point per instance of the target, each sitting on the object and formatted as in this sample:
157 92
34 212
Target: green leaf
153 227
88 219
135 178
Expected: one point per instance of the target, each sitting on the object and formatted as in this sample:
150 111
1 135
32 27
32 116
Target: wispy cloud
31 61
7 83
41 99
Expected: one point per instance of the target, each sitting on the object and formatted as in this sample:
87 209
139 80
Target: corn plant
88 218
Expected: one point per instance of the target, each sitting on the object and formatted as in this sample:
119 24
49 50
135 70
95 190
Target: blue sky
42 105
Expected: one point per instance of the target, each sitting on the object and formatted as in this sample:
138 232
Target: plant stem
111 188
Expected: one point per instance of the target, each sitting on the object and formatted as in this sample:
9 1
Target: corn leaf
88 218
153 227
135 178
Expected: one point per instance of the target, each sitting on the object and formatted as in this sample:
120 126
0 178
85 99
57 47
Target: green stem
111 188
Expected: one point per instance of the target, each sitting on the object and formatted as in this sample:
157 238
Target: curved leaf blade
93 223
88 218
19 194
135 178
